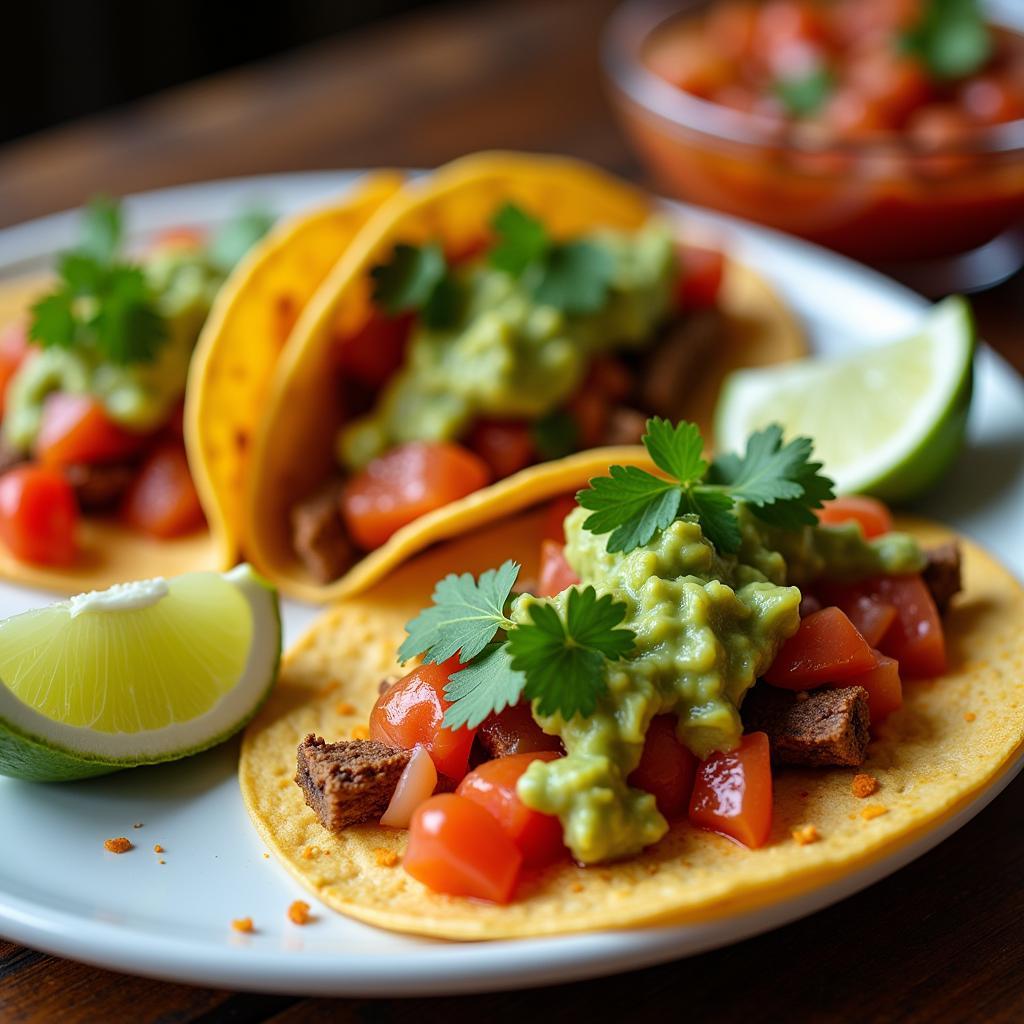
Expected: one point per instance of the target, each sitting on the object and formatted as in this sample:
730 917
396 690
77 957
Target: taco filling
687 632
92 387
516 349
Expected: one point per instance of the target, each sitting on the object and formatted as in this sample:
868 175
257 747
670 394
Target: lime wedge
143 672
887 421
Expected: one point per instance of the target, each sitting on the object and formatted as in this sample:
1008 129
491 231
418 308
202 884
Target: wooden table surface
942 940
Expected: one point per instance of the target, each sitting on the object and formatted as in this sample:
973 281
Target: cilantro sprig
101 302
778 481
557 661
951 38
417 279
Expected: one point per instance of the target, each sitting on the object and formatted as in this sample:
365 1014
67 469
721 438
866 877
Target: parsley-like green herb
778 481
417 279
487 685
101 302
804 95
572 276
951 39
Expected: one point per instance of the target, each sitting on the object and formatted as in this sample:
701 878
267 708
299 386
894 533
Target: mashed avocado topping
508 355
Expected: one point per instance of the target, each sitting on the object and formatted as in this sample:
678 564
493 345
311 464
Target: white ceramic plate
61 892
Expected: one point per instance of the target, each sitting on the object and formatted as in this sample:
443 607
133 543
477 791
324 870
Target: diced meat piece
514 731
941 575
625 426
350 782
99 486
10 457
318 534
823 727
675 363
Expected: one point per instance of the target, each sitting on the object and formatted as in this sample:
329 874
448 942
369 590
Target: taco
503 311
96 484
659 727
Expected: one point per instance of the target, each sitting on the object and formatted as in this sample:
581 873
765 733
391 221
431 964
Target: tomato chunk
458 847
76 428
373 353
871 616
515 731
406 483
666 768
411 712
555 572
38 515
825 648
874 518
732 793
493 786
915 638
885 690
162 500
14 347
505 445
554 517
700 277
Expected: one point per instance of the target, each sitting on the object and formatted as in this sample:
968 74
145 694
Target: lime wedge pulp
886 421
140 673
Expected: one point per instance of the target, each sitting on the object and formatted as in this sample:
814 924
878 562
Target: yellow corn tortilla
243 337
294 445
953 738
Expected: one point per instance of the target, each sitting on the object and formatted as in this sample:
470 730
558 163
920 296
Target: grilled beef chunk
318 534
674 364
99 486
941 575
625 426
514 731
10 457
823 727
350 782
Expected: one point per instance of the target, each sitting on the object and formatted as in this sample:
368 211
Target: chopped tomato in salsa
915 638
371 355
76 428
162 500
874 518
38 515
732 793
885 689
826 648
700 277
555 572
411 712
458 847
666 768
406 483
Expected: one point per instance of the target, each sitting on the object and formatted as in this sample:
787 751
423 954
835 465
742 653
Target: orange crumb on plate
158 848
806 834
864 785
873 811
119 845
298 912
969 716
242 924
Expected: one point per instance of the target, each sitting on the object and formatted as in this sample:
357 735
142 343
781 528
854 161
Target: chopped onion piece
416 785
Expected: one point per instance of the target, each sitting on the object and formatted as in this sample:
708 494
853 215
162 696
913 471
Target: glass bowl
941 218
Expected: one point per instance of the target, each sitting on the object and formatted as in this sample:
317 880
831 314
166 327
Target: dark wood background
942 940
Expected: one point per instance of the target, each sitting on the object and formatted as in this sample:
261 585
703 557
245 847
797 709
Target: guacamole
138 396
508 356
707 626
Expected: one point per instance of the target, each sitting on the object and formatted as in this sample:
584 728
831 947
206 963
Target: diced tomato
915 638
14 346
76 428
181 237
493 786
825 648
376 350
871 616
700 277
406 483
885 690
505 445
516 731
411 712
555 572
874 518
666 768
459 848
554 517
732 792
162 500
38 515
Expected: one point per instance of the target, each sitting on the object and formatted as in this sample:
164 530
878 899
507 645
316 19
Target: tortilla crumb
298 912
137 824
969 716
864 785
158 848
344 708
577 887
119 845
161 861
266 856
361 732
310 852
806 834
242 924
385 858
873 811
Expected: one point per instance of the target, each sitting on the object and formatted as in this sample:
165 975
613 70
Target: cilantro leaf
126 327
555 435
765 472
101 230
465 615
805 94
488 685
235 238
951 38
676 450
416 279
53 322
565 661
522 240
718 520
575 277
630 504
